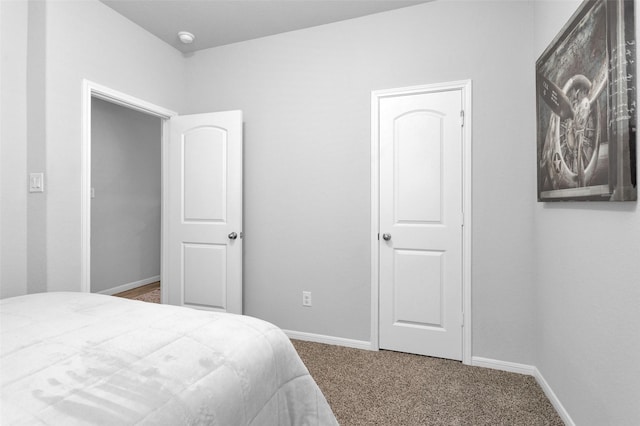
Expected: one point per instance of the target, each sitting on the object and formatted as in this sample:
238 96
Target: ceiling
219 22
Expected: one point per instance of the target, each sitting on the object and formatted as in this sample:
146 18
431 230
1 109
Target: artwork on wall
586 106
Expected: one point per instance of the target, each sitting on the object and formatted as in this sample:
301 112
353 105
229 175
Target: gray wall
22 214
125 213
306 102
43 64
13 140
115 53
588 290
36 147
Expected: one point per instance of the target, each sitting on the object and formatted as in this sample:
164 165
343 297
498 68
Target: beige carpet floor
392 388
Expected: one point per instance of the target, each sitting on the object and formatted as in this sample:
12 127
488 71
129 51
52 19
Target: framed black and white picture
586 106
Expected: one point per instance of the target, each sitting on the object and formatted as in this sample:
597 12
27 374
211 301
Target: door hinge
378 236
462 118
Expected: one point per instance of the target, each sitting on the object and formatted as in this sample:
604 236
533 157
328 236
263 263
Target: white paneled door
420 240
205 211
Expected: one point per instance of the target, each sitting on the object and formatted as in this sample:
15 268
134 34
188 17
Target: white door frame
376 96
94 90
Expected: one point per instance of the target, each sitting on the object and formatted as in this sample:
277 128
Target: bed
79 358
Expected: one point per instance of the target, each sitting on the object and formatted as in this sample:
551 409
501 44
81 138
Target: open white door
205 211
421 218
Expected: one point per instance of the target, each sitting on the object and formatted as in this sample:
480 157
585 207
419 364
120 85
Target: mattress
79 359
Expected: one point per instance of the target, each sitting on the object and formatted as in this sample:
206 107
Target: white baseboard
329 340
562 412
129 286
511 367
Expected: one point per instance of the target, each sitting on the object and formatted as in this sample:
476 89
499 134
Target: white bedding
78 359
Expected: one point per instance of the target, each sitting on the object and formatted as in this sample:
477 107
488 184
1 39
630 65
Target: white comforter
78 359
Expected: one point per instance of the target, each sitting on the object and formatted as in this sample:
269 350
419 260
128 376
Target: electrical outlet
306 298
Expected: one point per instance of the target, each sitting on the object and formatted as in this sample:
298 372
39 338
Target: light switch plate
36 182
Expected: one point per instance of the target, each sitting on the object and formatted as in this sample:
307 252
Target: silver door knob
386 237
233 236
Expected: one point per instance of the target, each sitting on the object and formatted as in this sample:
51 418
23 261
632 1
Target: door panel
421 211
417 285
205 169
205 198
205 263
418 152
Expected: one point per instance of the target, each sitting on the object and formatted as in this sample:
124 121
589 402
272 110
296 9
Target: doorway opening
125 198
129 208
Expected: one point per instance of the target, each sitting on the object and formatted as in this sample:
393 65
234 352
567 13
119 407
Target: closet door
420 246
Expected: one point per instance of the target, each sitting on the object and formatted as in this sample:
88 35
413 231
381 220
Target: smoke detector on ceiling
186 37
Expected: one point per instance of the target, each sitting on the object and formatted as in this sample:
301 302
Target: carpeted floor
153 296
392 388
